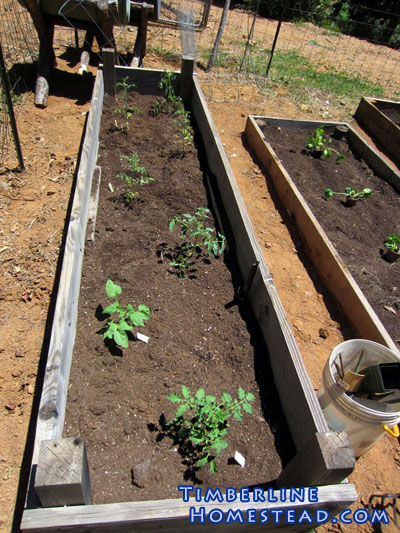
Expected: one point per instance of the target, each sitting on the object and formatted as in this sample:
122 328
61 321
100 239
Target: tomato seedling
208 422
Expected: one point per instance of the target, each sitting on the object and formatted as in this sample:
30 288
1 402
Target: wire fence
19 45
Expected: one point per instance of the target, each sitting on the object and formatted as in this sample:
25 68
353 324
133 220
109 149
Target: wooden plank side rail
53 400
173 515
330 267
369 115
311 434
299 402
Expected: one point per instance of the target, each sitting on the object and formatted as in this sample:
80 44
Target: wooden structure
327 262
371 117
97 17
323 458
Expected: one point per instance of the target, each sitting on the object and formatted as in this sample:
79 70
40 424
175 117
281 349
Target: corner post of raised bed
186 79
327 458
109 71
62 473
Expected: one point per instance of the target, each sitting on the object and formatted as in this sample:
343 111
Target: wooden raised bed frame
369 114
327 262
323 458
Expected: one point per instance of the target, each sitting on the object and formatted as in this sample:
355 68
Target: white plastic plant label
141 337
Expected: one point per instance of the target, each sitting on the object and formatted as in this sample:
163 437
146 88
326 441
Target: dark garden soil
117 398
393 113
357 232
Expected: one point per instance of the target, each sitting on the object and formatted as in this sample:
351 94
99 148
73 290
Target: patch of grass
167 55
298 74
303 79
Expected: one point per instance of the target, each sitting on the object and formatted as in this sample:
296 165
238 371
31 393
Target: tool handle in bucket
393 431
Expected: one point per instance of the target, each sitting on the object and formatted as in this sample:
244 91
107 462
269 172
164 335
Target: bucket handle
394 432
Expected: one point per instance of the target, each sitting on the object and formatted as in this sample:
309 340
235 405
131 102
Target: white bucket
364 426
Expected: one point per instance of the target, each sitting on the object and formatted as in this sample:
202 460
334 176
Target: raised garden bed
381 120
346 244
322 458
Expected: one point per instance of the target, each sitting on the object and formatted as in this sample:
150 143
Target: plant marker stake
240 459
141 337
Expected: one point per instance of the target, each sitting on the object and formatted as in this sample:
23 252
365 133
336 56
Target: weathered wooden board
172 515
330 464
383 130
53 400
331 269
296 392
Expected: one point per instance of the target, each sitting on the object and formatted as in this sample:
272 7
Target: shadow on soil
269 396
69 85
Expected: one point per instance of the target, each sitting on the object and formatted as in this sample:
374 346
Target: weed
127 316
316 142
209 420
194 233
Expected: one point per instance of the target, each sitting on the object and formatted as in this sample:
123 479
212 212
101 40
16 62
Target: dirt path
33 206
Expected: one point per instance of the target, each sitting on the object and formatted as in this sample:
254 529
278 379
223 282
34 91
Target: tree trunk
219 35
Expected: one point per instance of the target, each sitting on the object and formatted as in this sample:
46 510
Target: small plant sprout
317 143
165 83
127 316
392 242
350 194
183 122
206 422
156 110
126 109
137 176
195 234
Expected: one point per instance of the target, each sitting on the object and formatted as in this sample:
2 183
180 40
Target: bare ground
33 208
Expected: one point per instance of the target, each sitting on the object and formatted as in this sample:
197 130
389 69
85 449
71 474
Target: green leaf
219 446
113 290
144 310
213 466
174 398
124 326
121 338
328 193
210 399
111 329
203 461
200 394
110 309
227 398
247 408
186 392
172 224
138 317
181 410
250 397
241 393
